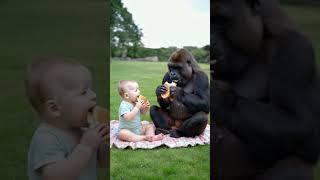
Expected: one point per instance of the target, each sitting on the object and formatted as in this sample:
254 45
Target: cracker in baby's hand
145 100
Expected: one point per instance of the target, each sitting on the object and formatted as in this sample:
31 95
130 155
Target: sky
166 23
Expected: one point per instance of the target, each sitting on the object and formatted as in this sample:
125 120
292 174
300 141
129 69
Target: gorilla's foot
174 133
160 130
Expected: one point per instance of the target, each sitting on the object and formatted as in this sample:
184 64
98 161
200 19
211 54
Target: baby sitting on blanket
130 127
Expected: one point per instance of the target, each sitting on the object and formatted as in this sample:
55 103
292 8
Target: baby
61 93
130 127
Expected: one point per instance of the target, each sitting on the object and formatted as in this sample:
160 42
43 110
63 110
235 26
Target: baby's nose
93 96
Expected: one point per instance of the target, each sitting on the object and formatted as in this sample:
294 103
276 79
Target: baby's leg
149 131
127 135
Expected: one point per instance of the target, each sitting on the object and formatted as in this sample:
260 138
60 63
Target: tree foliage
126 38
200 54
124 32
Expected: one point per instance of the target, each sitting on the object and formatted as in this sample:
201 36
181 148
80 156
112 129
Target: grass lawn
159 163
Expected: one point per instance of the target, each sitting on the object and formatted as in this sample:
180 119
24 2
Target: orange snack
167 85
98 115
144 99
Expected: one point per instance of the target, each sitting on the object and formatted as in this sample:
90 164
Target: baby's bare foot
148 138
157 137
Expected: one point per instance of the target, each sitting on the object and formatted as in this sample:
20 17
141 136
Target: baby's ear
52 108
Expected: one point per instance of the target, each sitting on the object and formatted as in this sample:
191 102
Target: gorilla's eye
172 68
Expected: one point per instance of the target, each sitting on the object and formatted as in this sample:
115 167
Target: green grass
148 75
160 163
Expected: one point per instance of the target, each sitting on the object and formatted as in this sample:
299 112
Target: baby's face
77 97
132 92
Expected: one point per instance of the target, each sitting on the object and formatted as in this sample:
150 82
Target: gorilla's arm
286 123
198 100
164 103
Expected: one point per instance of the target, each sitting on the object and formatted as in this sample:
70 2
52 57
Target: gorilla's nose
174 77
173 74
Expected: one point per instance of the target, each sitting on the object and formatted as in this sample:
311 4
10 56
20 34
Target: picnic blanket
166 141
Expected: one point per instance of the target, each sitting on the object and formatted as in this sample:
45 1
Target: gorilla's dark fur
264 93
186 114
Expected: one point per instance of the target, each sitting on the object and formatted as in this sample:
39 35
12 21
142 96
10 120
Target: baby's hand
94 135
145 107
139 104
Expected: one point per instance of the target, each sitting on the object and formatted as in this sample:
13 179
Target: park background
133 58
80 29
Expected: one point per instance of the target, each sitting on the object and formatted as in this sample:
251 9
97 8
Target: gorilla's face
239 22
180 72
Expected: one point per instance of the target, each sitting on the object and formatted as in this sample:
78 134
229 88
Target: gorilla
264 93
185 113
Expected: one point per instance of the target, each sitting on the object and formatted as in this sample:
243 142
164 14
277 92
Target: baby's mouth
91 109
89 117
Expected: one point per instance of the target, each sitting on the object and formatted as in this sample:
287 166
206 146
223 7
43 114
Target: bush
200 54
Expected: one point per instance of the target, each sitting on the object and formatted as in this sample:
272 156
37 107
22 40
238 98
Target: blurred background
306 15
43 28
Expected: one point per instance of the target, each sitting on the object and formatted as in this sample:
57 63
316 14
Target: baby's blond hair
37 79
123 86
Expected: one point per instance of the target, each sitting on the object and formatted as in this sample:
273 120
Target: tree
124 32
200 54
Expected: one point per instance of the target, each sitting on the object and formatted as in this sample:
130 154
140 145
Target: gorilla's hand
174 91
222 99
161 90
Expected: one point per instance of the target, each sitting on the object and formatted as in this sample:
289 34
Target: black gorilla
264 93
186 113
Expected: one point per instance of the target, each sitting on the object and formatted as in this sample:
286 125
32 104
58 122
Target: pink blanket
167 140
